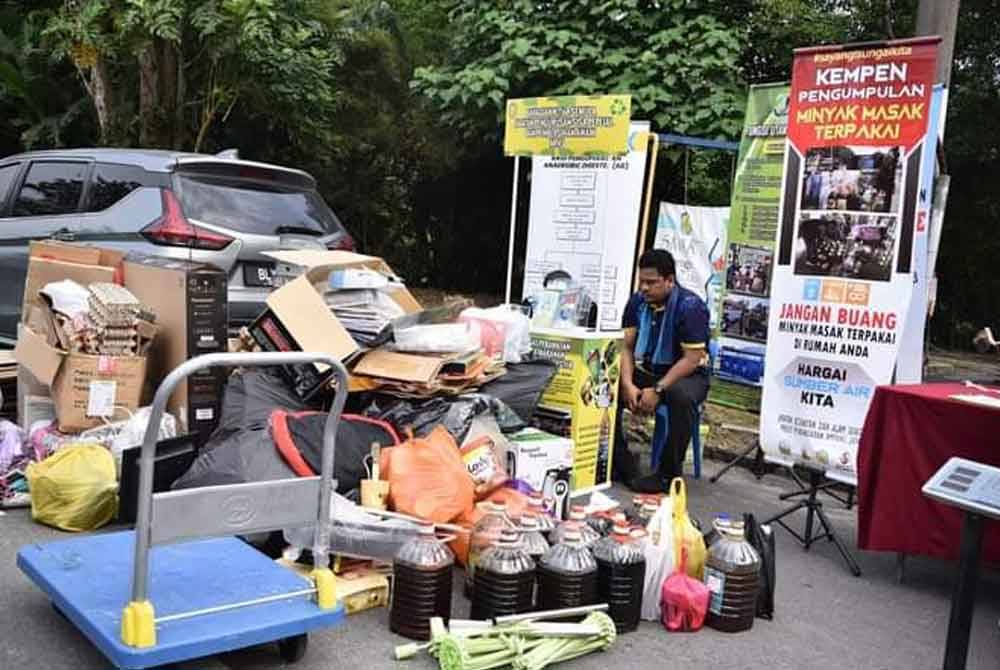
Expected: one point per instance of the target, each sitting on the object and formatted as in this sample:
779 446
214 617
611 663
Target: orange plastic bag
517 503
427 478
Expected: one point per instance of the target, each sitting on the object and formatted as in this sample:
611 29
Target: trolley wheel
292 649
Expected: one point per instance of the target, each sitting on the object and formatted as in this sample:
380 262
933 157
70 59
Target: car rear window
255 207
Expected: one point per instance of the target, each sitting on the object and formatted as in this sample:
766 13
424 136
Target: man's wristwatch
660 388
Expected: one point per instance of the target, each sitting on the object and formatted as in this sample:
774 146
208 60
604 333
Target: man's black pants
682 399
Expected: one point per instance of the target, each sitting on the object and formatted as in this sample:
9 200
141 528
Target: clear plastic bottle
621 570
485 534
546 524
577 520
422 584
532 541
505 579
567 574
732 574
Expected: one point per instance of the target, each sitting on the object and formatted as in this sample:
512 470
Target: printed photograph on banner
856 246
740 361
745 317
852 179
749 270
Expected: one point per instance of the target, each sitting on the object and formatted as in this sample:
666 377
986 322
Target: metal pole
645 210
963 599
513 229
143 523
321 556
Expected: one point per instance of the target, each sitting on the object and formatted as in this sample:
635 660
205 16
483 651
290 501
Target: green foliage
678 61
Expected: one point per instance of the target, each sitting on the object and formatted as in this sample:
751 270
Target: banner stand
814 511
513 228
758 454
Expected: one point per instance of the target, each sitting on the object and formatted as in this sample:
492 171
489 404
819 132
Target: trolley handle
230 360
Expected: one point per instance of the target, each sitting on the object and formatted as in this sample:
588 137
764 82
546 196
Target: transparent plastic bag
75 489
437 338
658 548
506 321
354 532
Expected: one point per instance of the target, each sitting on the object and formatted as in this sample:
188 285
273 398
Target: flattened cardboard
54 261
302 310
40 358
402 367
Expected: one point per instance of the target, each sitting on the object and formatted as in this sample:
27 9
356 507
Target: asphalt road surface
825 618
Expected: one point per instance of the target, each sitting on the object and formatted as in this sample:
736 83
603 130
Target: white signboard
585 212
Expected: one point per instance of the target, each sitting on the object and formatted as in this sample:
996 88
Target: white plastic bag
659 550
122 435
437 338
503 321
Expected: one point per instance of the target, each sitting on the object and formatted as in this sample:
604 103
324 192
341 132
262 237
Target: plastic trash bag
687 537
75 489
121 435
427 478
354 532
11 445
658 549
761 538
503 329
684 600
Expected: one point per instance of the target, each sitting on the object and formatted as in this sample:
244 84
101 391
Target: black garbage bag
455 414
290 447
761 537
417 416
247 402
522 387
298 437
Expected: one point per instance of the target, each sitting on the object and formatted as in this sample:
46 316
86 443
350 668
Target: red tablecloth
910 432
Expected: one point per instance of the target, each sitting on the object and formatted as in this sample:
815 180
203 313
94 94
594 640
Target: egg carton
113 305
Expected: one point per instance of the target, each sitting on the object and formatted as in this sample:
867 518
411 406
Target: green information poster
752 225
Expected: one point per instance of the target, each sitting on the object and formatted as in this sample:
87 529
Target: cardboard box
84 388
544 462
190 301
54 261
585 390
298 319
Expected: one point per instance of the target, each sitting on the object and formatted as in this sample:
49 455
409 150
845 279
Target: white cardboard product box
542 461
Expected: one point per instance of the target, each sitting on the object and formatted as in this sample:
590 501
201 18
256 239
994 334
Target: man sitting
664 368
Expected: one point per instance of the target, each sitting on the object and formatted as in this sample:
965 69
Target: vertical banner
573 200
696 237
752 225
843 274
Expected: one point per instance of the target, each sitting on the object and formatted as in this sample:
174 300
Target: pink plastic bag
684 600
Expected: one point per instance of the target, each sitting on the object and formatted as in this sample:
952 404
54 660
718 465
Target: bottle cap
509 536
622 528
572 535
576 513
426 531
529 522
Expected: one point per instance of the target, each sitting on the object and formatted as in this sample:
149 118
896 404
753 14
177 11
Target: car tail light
173 230
343 243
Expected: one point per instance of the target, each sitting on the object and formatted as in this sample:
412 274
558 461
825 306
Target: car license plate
258 274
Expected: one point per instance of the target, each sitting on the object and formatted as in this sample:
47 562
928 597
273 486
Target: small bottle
577 520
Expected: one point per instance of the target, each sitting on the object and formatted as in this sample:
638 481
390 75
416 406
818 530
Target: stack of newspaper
365 313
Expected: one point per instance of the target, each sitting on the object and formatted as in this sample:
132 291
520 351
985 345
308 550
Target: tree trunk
149 98
102 93
167 111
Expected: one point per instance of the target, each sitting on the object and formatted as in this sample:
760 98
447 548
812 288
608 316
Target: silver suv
214 209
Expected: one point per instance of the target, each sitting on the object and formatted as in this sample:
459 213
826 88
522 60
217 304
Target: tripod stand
814 510
754 448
